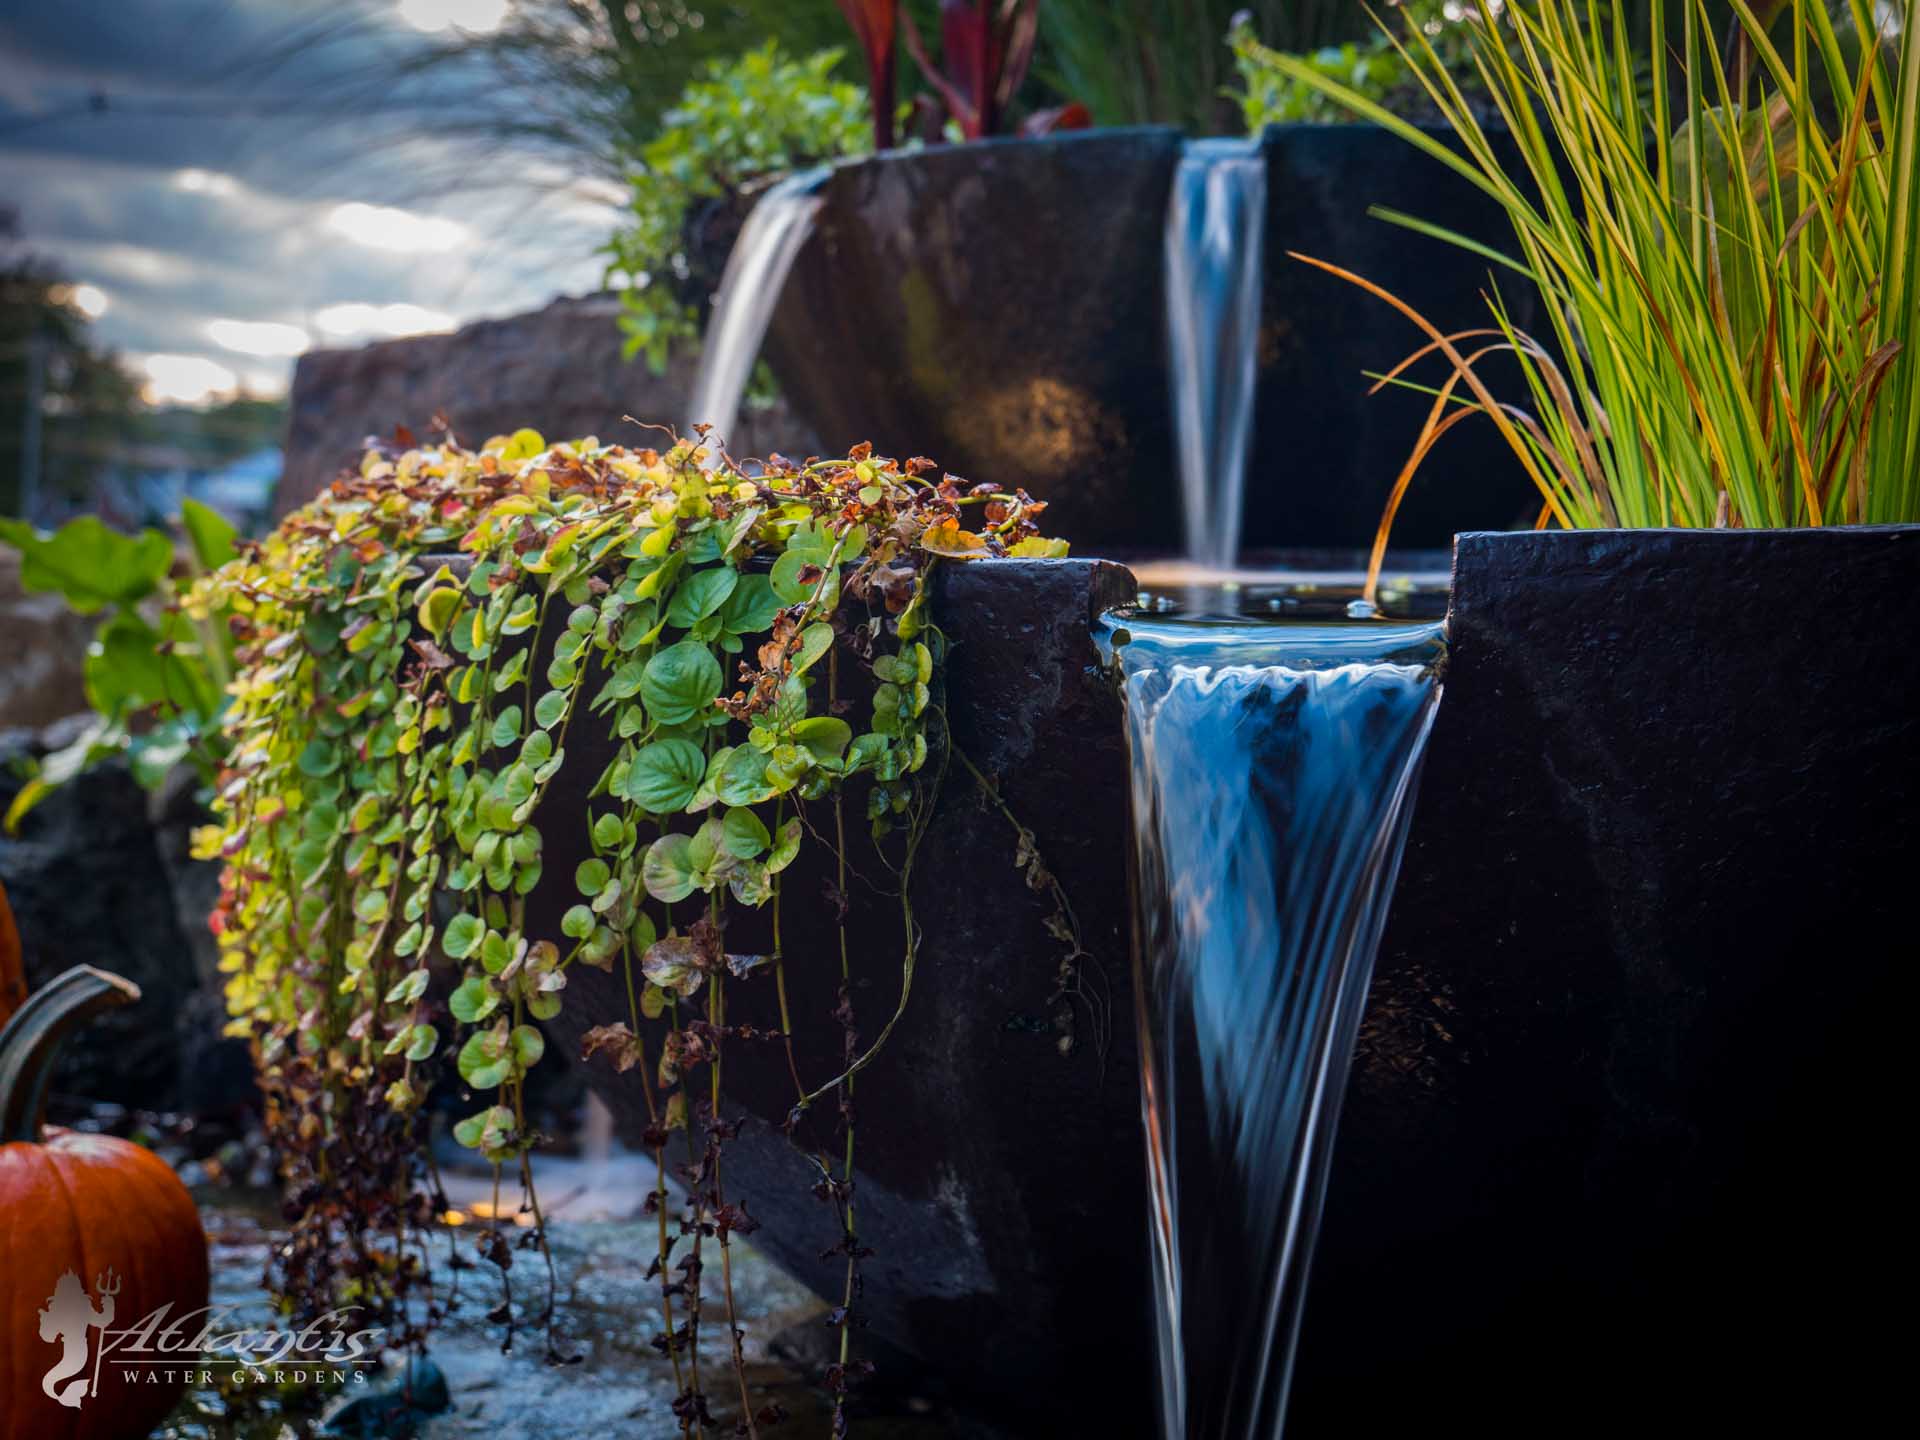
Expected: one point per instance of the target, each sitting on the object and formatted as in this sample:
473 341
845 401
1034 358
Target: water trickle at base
1216 220
750 287
1273 772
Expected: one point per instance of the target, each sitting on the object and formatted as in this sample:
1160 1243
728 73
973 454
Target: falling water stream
1274 766
1216 219
750 287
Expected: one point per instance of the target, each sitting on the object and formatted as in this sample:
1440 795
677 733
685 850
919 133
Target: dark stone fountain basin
998 1180
1002 307
998 306
1616 1141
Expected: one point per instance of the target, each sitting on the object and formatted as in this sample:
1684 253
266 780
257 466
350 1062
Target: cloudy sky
234 181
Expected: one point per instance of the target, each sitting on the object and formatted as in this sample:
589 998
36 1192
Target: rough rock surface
88 887
558 370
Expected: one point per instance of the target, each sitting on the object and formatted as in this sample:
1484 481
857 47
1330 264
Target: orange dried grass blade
1473 381
1805 465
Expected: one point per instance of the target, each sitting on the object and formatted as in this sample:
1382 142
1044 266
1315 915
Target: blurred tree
591 79
70 413
56 387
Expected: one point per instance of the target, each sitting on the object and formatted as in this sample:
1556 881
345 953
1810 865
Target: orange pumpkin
13 971
96 1234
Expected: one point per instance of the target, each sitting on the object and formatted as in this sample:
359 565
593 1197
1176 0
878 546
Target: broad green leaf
486 1060
744 833
786 846
664 775
751 607
528 1045
506 726
209 533
590 876
701 595
91 565
463 936
680 682
815 641
743 780
550 709
438 609
667 871
473 999
825 736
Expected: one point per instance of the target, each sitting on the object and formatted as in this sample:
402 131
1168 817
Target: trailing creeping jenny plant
415 651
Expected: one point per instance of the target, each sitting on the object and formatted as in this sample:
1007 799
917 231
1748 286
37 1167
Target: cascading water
750 287
1274 767
1216 220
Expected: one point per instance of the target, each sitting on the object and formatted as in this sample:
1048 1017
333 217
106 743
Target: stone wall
558 370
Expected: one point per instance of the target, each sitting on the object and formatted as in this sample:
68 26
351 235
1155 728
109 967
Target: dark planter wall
997 306
1001 307
1325 454
999 1181
1619 1151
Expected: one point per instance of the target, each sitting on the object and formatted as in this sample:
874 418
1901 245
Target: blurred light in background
89 300
187 379
205 182
357 318
382 227
258 337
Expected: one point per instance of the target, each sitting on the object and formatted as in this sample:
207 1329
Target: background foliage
746 122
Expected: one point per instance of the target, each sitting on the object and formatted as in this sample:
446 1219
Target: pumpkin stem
31 1040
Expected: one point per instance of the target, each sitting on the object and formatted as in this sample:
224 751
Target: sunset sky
234 181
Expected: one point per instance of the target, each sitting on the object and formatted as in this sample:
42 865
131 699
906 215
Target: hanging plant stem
411 651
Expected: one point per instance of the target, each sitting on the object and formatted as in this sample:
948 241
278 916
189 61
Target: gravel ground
621 1387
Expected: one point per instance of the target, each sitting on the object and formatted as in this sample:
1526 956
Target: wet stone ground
620 1388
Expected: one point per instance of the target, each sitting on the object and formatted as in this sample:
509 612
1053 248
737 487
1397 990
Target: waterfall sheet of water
1273 772
1216 224
750 287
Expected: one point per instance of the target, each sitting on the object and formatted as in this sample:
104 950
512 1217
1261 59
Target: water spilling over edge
750 287
1216 228
1273 769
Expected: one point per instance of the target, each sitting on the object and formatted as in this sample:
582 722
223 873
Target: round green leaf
700 595
664 775
668 869
463 936
473 999
743 833
680 682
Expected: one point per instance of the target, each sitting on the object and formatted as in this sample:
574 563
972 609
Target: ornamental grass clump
1726 247
417 651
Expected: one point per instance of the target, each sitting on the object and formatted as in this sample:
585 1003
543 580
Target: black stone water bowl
1617 1154
1001 307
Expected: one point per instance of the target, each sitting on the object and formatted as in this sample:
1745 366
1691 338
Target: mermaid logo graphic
69 1315
164 1348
